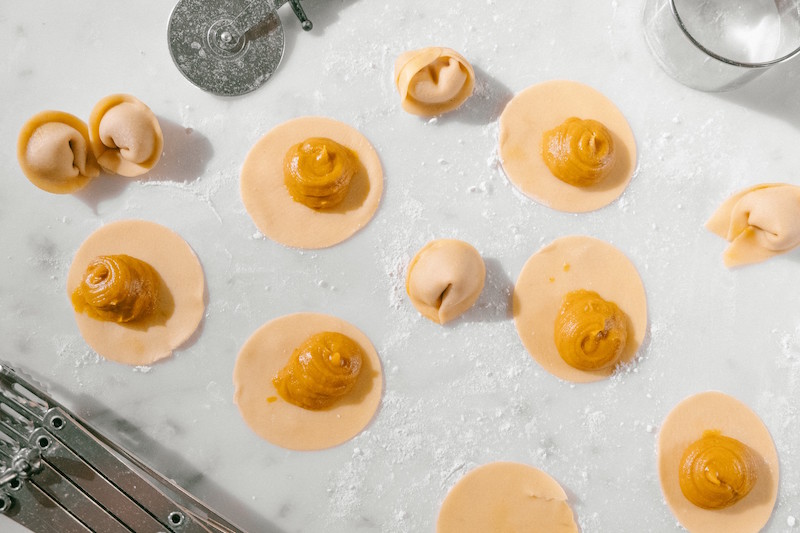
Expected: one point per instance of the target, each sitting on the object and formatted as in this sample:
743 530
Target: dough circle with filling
508 497
685 424
568 264
542 107
284 424
288 222
54 152
180 271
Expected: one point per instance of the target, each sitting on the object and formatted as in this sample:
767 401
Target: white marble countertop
455 396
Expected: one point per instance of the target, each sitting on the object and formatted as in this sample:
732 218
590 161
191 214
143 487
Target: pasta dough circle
685 424
44 143
568 264
181 273
287 425
128 121
509 497
445 278
288 222
545 106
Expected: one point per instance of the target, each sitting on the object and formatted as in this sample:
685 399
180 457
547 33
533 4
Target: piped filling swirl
579 152
590 332
117 288
717 471
323 369
318 172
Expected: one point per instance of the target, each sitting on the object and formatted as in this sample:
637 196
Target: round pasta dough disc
568 264
285 424
180 272
509 497
542 107
684 425
288 222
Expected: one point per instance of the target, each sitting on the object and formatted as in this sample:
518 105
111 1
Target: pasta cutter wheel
231 47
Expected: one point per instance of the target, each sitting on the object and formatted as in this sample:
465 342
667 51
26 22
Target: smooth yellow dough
543 107
445 279
182 295
570 264
125 135
273 209
433 80
760 222
683 426
53 150
284 424
506 497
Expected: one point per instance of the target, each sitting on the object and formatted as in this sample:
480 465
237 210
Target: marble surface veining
456 396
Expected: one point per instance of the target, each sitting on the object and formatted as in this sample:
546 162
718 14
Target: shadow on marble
167 462
186 154
773 93
321 13
573 501
770 522
493 304
487 102
792 255
102 188
642 352
379 372
198 332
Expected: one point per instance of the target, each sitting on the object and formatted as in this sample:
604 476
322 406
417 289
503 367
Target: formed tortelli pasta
433 80
760 222
54 152
125 135
445 279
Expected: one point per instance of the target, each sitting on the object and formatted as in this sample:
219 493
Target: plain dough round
684 425
445 279
543 107
568 264
507 497
288 222
285 424
57 184
181 273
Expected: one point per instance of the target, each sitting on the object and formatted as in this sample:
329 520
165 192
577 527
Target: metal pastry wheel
230 47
